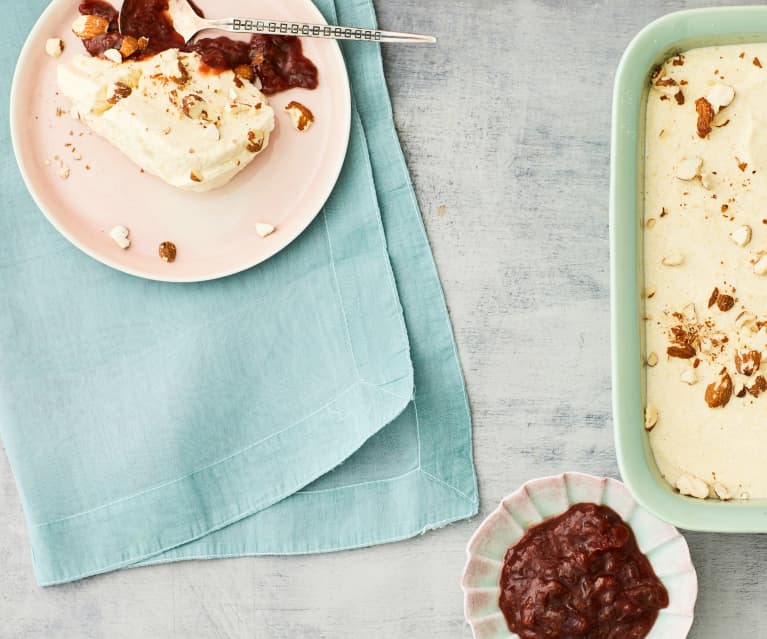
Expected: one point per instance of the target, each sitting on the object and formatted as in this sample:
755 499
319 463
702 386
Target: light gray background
506 128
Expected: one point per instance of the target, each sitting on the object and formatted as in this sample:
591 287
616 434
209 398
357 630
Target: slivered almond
706 115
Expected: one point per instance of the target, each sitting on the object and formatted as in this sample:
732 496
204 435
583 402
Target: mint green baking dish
658 41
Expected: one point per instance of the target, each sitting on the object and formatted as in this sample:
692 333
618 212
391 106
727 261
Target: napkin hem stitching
419 530
207 467
405 398
359 484
431 268
471 500
347 331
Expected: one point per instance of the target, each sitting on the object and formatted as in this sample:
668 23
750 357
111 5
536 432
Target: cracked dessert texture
194 129
705 230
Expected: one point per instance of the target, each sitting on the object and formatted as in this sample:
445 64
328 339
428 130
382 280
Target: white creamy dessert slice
705 267
194 130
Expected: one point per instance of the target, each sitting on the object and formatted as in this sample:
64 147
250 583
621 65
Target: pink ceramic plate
286 186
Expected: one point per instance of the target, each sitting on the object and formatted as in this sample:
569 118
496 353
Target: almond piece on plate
300 115
129 46
54 47
167 252
121 235
193 106
264 230
113 55
86 27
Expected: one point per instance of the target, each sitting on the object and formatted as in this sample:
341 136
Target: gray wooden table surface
506 128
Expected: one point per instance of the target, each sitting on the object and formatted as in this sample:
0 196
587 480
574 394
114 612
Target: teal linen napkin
272 412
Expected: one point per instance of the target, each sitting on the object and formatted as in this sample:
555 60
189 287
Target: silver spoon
188 24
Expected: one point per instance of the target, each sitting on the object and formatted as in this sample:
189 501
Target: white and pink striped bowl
547 497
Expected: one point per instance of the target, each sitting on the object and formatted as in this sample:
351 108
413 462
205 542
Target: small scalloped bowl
547 497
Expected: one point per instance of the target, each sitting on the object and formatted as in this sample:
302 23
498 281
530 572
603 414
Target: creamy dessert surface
705 235
194 129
